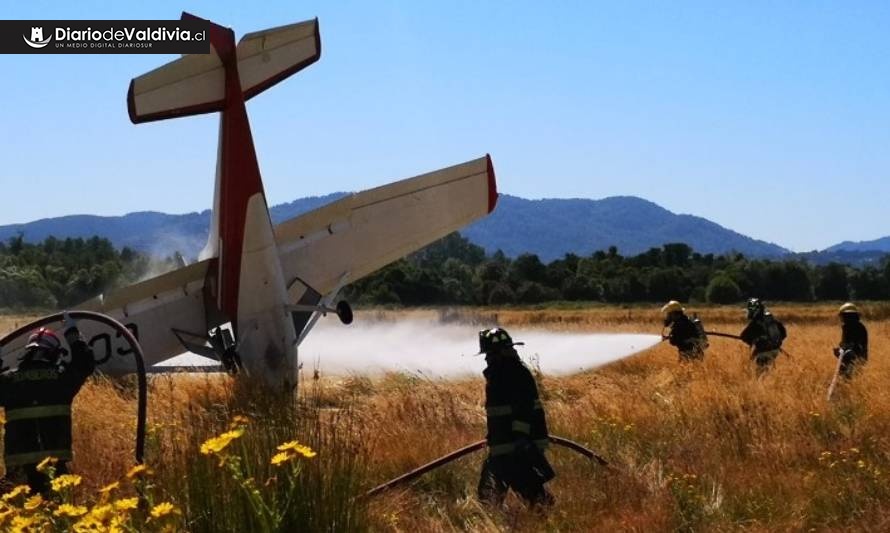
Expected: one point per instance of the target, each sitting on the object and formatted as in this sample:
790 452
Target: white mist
448 350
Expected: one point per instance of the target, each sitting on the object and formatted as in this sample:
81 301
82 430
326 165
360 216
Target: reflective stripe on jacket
37 397
512 406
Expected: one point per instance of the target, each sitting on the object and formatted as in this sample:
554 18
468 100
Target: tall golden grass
692 446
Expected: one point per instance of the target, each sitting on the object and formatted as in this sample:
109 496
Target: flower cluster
261 495
59 510
291 450
849 460
128 503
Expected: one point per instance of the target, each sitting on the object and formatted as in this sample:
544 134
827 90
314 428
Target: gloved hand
69 326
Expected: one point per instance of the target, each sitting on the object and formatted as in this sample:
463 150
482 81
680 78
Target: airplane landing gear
227 349
231 361
344 312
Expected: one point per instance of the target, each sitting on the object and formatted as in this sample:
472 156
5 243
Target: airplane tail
195 83
223 81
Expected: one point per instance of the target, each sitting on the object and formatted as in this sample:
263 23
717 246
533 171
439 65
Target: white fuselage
266 336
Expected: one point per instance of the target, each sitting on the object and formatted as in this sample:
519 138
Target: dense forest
455 271
61 273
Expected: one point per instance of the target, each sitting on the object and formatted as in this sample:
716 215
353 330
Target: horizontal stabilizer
269 56
195 83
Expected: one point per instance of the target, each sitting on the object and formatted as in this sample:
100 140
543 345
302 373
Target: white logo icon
37 40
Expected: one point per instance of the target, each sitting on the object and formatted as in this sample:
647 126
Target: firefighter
37 397
517 427
687 334
853 348
764 334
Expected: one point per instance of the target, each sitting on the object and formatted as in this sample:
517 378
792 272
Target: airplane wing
352 237
151 310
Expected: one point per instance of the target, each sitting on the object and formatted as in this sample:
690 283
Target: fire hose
729 336
142 401
457 454
725 335
710 333
736 337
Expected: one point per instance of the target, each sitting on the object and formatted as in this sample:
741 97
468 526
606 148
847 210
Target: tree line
58 273
456 271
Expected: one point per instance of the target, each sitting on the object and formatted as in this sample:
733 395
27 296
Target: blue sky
770 118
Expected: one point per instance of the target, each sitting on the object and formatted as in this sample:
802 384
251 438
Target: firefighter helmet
44 344
848 308
755 308
672 307
495 338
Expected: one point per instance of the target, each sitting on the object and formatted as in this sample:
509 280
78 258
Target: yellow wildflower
88 524
16 492
126 504
110 487
163 509
64 481
42 466
217 444
71 511
23 523
239 420
117 525
297 448
33 502
136 471
102 513
5 515
282 457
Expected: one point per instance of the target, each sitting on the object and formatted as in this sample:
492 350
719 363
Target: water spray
438 350
837 373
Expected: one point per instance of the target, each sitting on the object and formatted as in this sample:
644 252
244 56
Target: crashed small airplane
258 289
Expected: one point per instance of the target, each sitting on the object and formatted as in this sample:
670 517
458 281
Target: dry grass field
692 447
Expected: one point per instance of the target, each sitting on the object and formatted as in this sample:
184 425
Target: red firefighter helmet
44 342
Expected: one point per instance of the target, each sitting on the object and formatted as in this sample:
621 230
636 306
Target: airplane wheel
344 311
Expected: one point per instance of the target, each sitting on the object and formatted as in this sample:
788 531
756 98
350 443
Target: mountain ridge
881 244
548 227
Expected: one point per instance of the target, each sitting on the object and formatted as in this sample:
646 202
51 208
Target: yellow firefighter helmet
848 308
672 307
